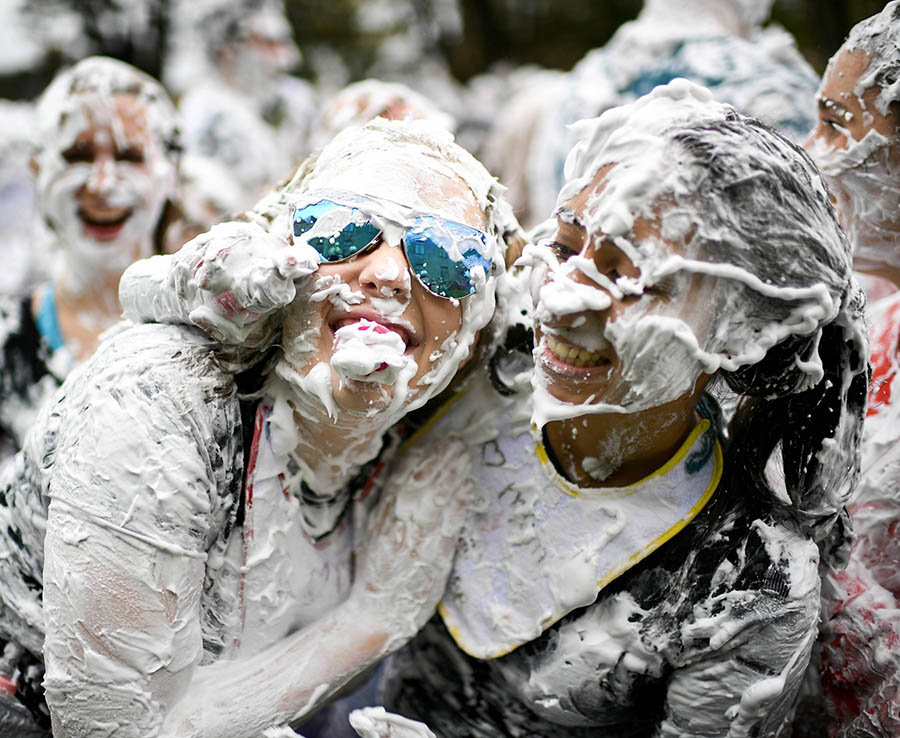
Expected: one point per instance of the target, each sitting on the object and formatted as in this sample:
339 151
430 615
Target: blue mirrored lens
443 255
347 237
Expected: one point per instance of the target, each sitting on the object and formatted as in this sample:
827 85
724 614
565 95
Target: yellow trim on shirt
637 557
564 485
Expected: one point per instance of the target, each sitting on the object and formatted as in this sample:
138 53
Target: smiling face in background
109 153
369 335
104 187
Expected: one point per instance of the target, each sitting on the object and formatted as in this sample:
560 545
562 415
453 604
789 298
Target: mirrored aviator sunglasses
444 255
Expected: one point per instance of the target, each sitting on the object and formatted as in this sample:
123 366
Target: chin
360 398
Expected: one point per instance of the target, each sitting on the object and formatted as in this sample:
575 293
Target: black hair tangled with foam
765 210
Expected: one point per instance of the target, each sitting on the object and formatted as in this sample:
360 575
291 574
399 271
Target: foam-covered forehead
878 38
636 139
90 88
415 183
735 191
414 168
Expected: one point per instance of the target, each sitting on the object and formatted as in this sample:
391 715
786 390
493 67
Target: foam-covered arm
747 679
230 281
124 571
376 722
402 572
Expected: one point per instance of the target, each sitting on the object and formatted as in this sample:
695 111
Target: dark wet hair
765 209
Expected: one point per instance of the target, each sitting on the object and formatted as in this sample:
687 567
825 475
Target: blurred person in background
360 102
106 167
719 44
241 109
856 143
24 245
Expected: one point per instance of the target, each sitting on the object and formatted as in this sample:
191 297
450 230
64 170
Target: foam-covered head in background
707 240
249 42
106 161
856 142
361 101
366 335
739 17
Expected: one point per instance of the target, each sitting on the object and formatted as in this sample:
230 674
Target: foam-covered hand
244 275
229 281
376 722
411 537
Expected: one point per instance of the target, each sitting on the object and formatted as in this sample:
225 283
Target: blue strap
47 321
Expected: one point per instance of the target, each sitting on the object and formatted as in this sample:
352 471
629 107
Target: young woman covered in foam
629 566
857 146
106 167
209 565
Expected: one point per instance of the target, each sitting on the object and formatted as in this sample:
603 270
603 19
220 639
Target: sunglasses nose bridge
384 268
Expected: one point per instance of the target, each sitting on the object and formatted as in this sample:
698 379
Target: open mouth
570 358
382 326
104 226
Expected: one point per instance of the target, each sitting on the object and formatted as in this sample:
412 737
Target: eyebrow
567 215
827 103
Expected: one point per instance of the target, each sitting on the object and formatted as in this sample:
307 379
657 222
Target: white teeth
570 354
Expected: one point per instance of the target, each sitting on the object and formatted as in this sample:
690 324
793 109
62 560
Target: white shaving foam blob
366 351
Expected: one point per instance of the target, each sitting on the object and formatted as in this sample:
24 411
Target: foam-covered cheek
866 180
661 342
57 189
563 290
659 357
835 162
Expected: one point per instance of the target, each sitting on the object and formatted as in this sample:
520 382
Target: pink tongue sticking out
366 351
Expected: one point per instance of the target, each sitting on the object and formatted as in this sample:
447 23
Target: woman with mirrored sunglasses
203 553
631 564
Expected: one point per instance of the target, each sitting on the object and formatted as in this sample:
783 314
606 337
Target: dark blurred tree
820 26
134 31
550 33
543 32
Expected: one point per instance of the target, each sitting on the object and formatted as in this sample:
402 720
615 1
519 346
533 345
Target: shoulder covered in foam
143 437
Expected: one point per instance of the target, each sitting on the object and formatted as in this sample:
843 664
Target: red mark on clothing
229 304
261 413
370 482
883 344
